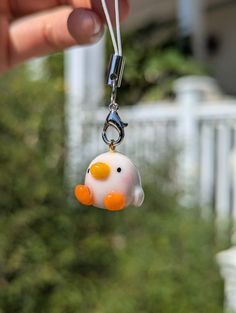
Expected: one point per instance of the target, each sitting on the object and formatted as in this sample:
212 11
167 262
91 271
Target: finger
3 43
90 20
48 32
97 7
23 7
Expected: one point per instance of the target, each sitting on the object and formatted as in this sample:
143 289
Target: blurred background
178 96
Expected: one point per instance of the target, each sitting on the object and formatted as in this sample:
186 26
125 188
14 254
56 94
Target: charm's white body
126 182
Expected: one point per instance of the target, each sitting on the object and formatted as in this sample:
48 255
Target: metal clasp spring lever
113 120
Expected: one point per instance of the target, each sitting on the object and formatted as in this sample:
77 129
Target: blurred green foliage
154 60
59 258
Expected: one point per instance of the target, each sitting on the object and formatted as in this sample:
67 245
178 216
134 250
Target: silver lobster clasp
113 120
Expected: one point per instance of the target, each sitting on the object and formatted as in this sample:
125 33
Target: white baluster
84 83
207 168
223 173
233 166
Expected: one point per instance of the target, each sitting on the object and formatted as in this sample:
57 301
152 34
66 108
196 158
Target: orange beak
100 170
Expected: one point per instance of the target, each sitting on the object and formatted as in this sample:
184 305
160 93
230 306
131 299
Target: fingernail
97 26
90 21
85 26
97 30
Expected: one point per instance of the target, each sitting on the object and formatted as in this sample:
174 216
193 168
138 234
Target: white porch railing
206 133
201 121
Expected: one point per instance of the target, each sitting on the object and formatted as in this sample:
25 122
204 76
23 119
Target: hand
30 28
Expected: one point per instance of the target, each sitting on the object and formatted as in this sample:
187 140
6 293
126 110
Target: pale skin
30 28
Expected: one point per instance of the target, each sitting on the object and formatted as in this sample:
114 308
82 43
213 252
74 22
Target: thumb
85 26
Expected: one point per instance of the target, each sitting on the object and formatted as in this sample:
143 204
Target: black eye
88 170
119 170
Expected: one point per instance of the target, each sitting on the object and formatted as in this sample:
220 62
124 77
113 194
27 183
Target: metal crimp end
115 70
113 120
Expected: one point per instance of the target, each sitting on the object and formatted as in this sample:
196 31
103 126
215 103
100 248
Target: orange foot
83 194
114 201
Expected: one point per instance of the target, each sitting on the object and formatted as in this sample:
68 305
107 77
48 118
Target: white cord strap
116 43
114 77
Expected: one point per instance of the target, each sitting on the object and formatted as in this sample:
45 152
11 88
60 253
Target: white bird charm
112 182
